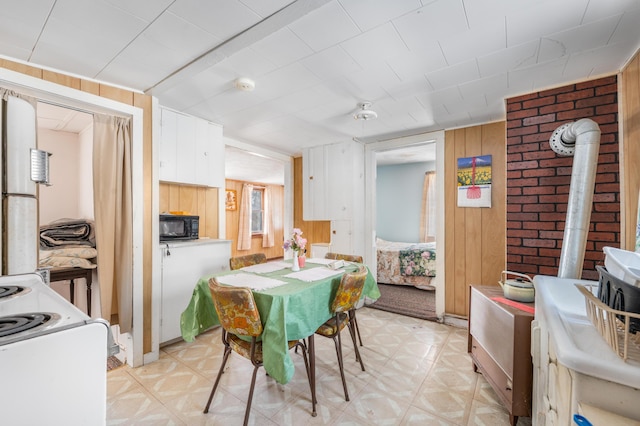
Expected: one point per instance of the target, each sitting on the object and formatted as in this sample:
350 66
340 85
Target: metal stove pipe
582 140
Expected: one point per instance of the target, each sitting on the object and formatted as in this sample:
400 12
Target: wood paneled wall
475 251
233 216
145 103
630 150
197 200
318 231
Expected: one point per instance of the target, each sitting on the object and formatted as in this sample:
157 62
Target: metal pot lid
519 283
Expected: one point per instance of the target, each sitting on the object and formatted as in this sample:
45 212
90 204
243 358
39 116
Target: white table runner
314 274
254 282
265 268
320 260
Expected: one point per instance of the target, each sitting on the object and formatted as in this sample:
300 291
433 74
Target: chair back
236 309
346 257
350 290
247 260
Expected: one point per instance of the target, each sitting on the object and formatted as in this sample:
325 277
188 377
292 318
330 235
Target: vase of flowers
297 243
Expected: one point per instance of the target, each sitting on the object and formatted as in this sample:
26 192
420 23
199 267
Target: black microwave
179 227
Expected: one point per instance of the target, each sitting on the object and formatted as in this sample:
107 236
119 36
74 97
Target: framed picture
231 200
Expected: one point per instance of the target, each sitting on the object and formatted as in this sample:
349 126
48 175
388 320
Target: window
257 211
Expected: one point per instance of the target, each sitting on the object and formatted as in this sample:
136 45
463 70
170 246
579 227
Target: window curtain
428 214
244 222
268 237
113 217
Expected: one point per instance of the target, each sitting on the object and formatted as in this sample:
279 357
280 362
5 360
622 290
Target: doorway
67 135
53 93
372 150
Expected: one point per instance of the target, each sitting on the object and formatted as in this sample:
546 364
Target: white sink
623 264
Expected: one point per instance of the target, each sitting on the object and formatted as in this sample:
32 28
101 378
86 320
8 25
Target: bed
406 263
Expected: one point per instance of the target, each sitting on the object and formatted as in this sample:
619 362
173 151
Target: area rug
113 362
406 300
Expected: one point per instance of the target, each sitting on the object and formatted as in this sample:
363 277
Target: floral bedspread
388 265
418 260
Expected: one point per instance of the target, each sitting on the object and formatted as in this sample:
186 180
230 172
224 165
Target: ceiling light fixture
364 113
244 84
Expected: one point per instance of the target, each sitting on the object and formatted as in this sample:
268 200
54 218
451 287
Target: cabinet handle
310 177
334 232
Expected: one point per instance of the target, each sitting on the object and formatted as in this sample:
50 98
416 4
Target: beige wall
475 238
629 102
196 200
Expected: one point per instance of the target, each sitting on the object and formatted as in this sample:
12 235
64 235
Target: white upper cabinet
209 154
314 184
333 189
191 150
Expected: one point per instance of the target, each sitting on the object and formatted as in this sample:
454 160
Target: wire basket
613 326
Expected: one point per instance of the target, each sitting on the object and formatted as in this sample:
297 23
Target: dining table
292 306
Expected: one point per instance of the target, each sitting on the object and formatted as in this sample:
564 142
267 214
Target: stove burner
11 290
18 323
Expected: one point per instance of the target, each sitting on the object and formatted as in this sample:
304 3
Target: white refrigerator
22 166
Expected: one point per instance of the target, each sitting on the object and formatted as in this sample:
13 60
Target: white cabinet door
341 233
314 184
340 182
168 135
191 150
186 148
182 267
209 163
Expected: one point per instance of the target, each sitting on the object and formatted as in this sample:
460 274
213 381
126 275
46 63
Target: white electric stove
52 357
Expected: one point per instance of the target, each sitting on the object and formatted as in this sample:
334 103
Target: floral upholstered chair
349 258
343 308
239 316
247 260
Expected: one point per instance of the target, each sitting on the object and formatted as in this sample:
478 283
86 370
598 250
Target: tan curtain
268 237
244 222
113 217
428 214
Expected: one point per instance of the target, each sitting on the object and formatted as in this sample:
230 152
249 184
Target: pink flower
296 242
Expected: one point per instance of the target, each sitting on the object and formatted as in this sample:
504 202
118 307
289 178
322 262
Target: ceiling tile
283 47
435 21
331 63
375 46
545 75
551 16
265 8
368 14
147 10
595 34
600 9
248 63
597 62
509 59
492 86
285 80
461 47
222 18
21 23
410 64
312 28
456 74
627 29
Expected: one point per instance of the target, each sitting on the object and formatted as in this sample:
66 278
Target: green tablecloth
288 312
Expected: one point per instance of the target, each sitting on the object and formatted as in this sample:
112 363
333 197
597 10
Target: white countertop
199 241
578 344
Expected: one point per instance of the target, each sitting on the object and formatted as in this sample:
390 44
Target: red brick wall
538 179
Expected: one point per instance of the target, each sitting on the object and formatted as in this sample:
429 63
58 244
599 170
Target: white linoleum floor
417 373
